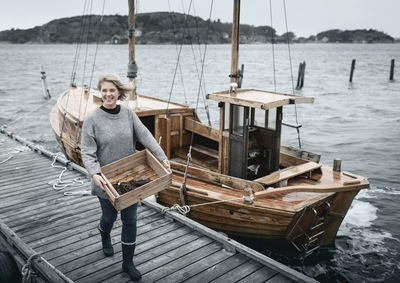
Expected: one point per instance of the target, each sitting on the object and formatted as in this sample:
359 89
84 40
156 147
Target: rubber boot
127 262
108 249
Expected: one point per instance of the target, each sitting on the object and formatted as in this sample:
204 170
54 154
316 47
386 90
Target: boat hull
258 220
294 216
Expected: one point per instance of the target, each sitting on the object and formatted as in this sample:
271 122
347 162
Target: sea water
358 123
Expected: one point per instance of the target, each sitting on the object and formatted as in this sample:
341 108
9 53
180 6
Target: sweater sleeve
89 149
146 138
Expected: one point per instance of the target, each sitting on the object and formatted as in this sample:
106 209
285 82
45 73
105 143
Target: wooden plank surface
288 173
62 229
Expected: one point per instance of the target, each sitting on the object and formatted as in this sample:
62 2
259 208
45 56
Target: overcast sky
305 17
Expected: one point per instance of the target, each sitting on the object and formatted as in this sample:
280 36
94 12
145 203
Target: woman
109 133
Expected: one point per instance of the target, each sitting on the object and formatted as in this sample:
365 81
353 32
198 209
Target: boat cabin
253 119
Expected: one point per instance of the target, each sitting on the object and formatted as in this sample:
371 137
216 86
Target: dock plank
197 267
145 251
62 229
218 269
260 275
239 272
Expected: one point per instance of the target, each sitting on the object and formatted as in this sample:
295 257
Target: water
359 123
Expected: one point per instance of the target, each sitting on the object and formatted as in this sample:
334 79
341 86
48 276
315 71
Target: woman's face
109 95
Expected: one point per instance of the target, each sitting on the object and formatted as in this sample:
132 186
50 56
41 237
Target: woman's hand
99 181
166 164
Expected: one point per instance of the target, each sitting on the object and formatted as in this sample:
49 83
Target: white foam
357 222
360 214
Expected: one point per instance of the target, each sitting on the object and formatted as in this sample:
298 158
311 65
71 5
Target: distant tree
288 35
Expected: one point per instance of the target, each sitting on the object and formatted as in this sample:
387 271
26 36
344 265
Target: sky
304 17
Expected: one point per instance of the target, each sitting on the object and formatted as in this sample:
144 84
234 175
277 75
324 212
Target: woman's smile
109 94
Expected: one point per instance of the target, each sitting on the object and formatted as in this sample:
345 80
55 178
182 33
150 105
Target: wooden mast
235 41
132 68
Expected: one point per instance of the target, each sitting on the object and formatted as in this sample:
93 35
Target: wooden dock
61 231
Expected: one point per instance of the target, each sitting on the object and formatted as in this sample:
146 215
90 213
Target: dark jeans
128 218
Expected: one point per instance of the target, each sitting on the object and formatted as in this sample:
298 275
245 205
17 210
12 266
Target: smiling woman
109 133
112 89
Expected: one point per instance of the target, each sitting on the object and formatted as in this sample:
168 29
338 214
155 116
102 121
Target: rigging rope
291 72
177 52
272 44
72 83
85 61
176 65
183 188
93 66
186 34
78 45
197 71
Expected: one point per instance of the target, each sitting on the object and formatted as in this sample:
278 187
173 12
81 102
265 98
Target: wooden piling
353 65
300 76
46 92
303 72
391 76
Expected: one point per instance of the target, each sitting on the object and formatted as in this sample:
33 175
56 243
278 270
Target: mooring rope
27 270
185 209
25 114
60 184
15 149
5 160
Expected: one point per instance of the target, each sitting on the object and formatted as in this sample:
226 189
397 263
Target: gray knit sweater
109 137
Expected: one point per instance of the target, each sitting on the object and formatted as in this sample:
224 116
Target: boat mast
132 68
235 42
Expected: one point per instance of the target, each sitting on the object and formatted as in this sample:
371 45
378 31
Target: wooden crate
138 166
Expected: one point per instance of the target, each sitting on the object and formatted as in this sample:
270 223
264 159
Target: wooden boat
240 180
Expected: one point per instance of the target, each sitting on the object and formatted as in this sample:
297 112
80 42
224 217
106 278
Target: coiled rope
27 270
185 209
60 184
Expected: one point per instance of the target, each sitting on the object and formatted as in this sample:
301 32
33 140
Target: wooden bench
288 173
199 157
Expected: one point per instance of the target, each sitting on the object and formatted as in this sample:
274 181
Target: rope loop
27 271
60 184
185 209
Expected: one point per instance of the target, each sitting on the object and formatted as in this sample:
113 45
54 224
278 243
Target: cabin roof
258 98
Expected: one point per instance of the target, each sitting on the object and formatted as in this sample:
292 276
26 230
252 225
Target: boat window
227 112
272 118
237 120
259 118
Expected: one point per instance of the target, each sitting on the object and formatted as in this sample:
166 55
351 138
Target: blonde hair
123 89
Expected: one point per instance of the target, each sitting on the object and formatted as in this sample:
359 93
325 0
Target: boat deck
62 230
